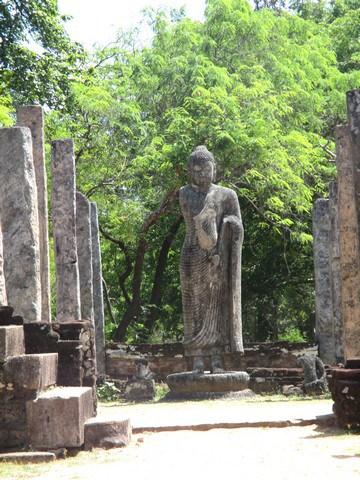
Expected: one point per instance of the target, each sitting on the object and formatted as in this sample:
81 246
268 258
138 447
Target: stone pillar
20 223
335 274
33 118
323 300
64 230
84 252
98 292
3 297
349 242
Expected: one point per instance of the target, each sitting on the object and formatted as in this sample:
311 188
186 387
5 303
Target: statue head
201 167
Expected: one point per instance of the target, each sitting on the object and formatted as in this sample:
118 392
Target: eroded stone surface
107 434
140 389
64 227
19 223
32 116
56 418
349 242
335 272
11 342
323 293
210 266
3 296
190 382
31 372
84 252
98 299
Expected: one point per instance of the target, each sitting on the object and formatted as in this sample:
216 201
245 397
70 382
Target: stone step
56 418
27 457
33 373
11 341
101 433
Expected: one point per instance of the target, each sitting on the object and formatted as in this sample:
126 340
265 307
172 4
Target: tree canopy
263 88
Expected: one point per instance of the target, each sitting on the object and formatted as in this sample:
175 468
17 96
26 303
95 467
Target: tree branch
108 303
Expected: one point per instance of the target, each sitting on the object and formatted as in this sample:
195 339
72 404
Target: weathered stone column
33 118
335 273
323 300
84 252
20 223
64 230
98 292
349 242
3 297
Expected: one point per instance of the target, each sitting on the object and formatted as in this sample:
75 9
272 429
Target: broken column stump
107 434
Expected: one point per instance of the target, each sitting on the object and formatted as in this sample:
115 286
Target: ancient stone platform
190 382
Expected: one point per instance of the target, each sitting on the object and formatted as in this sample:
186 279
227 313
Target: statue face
202 173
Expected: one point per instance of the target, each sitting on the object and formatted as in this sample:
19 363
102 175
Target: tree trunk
156 293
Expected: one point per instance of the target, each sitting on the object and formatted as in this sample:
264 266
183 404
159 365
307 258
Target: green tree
37 58
263 91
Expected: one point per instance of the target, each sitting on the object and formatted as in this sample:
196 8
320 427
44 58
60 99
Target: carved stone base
345 391
209 383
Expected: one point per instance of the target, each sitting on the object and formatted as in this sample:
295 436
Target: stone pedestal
191 383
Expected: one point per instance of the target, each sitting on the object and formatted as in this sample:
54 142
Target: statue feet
198 365
216 364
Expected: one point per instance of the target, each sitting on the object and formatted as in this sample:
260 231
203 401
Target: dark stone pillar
64 228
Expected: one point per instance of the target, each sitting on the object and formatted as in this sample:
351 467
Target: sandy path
259 453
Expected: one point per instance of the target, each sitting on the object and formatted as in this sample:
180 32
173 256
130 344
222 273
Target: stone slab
32 372
56 418
190 382
140 389
11 341
27 457
107 434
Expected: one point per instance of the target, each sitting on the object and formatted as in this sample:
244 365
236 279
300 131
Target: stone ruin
48 368
336 225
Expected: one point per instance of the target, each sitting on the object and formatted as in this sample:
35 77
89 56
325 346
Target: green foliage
292 335
37 58
262 89
107 392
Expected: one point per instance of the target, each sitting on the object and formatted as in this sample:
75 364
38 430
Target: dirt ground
260 453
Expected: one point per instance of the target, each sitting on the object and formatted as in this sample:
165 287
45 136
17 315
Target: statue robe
210 270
